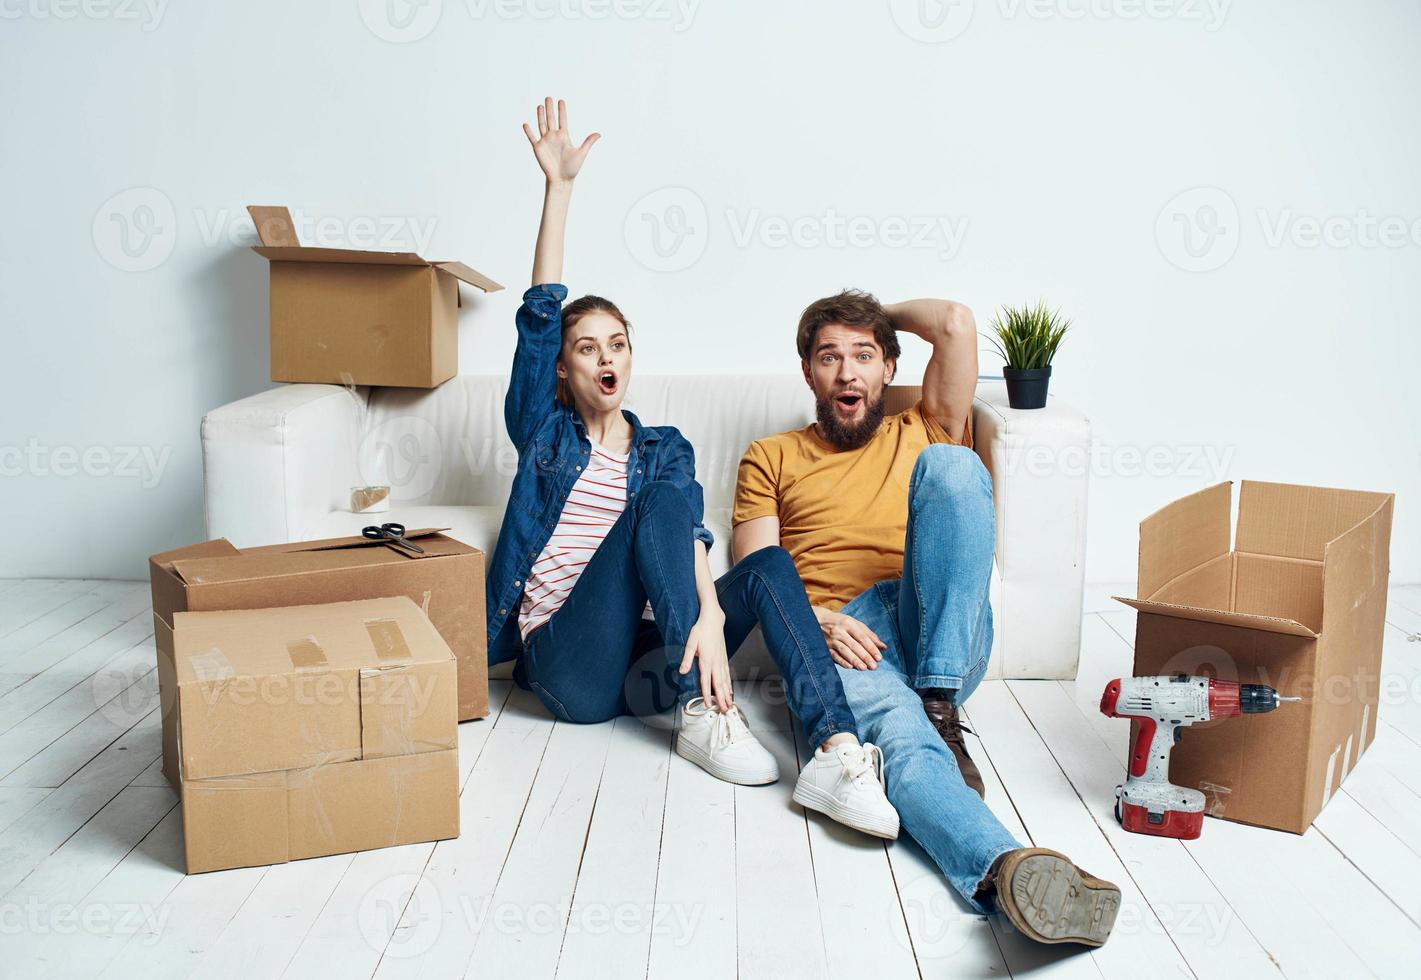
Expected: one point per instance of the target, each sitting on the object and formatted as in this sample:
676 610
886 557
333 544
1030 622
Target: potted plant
1027 338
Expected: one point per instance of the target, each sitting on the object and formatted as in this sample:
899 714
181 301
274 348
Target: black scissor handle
391 532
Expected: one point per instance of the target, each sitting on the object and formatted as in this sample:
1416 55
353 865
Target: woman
600 582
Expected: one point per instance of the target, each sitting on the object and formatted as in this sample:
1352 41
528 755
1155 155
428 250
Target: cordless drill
1148 803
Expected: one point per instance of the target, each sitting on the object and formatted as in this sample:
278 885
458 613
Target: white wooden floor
593 851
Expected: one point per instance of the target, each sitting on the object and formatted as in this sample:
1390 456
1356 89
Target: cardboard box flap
217 548
1296 521
274 225
471 276
1271 624
348 256
1182 536
305 558
1356 564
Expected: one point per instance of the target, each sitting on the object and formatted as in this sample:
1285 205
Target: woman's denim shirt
553 448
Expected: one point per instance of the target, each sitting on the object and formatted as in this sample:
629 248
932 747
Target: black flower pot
1027 389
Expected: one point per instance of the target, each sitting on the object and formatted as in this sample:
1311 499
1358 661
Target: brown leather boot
1049 899
943 715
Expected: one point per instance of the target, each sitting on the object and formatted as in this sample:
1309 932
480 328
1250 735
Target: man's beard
850 435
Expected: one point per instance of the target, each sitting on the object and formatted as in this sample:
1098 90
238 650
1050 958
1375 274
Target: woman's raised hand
553 145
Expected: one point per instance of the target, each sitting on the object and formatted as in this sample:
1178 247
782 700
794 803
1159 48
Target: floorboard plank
28 620
262 936
68 753
352 927
52 892
17 605
1407 596
1377 790
863 917
1377 852
33 837
696 875
15 801
199 908
528 916
1318 916
1022 956
615 908
778 923
433 922
32 683
131 901
76 705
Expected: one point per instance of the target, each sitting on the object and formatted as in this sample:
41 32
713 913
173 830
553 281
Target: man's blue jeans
596 658
937 623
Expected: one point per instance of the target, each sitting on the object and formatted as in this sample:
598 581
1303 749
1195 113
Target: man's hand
557 156
707 641
851 643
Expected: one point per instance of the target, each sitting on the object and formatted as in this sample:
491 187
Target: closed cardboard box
346 316
446 581
311 730
1298 602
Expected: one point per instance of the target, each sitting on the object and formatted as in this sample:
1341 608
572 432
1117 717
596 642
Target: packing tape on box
1216 797
389 642
212 665
306 652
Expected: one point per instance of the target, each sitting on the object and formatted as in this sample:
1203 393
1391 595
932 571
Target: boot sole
1052 902
813 798
740 777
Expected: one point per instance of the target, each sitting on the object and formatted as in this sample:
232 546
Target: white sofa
278 466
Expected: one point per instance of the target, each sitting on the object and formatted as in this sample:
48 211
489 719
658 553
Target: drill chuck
1256 698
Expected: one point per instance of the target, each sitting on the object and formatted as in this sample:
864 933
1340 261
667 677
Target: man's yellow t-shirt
843 512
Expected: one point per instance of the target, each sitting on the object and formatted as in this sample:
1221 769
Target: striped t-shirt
593 505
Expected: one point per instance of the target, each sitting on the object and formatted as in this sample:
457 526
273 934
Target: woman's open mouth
607 382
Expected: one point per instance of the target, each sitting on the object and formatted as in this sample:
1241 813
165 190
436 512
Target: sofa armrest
1039 460
276 464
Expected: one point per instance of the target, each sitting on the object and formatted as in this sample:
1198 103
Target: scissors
394 533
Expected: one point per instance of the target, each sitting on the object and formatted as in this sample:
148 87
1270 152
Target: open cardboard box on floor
346 316
1298 603
312 730
446 582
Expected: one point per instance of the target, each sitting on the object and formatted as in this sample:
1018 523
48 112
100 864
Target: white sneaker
720 743
846 784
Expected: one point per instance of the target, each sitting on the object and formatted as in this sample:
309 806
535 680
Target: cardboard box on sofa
312 730
446 582
1297 603
346 316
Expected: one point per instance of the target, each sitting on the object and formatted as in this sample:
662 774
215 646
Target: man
890 524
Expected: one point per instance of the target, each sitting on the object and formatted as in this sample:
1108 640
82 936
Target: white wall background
1051 138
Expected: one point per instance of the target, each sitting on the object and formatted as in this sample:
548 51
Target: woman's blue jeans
596 658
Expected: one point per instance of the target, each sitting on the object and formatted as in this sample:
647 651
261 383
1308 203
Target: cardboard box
1298 603
346 316
312 730
446 582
